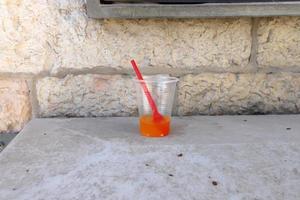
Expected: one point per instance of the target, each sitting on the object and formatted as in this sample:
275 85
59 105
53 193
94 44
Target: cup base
151 128
154 136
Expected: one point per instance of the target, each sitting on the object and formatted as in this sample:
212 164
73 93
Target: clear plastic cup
162 89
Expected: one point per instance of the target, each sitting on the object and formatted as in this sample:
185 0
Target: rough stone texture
106 158
41 35
208 93
25 36
15 108
186 44
86 95
279 42
239 93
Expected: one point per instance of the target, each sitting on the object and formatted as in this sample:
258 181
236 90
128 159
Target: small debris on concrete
180 155
14 189
215 183
288 128
27 170
171 175
244 120
147 165
45 133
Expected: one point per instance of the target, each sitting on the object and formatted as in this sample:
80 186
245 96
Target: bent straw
156 115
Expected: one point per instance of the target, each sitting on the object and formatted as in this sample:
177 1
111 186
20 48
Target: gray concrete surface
224 157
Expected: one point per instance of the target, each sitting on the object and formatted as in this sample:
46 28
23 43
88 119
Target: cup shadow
177 128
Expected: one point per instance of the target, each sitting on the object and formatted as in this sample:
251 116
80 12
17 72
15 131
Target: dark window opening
188 1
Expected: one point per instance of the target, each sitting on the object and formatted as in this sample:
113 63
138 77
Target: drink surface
154 128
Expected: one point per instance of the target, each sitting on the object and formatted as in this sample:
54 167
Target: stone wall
55 61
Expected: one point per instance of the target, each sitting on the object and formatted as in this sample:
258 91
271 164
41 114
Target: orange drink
154 128
155 97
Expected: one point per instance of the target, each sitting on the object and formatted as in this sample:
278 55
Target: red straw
156 115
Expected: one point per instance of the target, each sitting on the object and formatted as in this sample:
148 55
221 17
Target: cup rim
163 79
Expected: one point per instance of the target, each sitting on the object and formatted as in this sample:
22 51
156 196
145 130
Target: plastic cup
162 89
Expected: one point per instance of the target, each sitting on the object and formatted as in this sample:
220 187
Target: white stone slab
247 157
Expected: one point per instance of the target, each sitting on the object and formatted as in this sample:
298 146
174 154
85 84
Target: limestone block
218 94
86 95
26 36
279 42
15 107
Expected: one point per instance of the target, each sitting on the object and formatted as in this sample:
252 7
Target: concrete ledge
226 157
97 10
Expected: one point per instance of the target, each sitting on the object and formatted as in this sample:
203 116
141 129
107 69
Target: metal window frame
209 10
